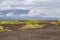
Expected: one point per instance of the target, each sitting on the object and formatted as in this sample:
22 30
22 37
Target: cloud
2 8
1 15
10 14
32 13
50 8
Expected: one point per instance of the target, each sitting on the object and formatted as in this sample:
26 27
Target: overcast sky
37 8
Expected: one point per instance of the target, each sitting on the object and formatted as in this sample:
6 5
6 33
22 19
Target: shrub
42 21
1 28
36 26
22 23
39 26
52 23
8 30
27 27
58 22
32 21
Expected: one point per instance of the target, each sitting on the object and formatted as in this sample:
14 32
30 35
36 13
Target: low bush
33 21
52 23
8 30
1 28
36 26
58 22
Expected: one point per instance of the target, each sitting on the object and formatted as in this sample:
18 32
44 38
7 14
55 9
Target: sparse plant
52 23
58 22
27 27
33 21
8 30
1 28
36 26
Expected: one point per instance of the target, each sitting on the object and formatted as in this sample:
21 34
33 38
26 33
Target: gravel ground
36 34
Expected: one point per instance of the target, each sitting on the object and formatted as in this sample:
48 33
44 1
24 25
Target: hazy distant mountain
48 18
18 12
40 18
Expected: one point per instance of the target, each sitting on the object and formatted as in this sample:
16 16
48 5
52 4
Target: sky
29 8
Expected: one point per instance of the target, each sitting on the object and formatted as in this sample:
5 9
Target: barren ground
51 32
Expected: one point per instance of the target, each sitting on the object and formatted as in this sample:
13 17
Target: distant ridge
40 18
